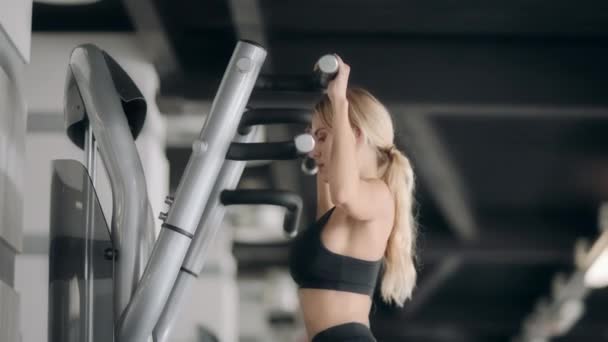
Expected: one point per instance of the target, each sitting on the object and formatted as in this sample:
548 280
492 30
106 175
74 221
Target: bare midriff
323 309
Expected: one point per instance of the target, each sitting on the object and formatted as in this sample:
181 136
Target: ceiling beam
515 250
153 33
508 246
434 281
435 168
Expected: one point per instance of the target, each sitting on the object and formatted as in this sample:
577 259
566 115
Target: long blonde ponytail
400 273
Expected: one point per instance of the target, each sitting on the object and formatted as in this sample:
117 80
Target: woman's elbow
341 197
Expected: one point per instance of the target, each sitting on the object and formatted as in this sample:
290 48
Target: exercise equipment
127 287
326 69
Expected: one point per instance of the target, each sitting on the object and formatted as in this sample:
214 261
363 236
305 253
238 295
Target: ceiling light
596 275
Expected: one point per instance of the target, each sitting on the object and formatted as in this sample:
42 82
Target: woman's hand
336 89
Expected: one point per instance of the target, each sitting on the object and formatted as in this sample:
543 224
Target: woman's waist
323 309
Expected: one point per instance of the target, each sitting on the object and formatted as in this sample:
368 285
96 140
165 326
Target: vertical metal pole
209 224
90 149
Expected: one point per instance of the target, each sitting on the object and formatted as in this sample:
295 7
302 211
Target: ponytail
400 273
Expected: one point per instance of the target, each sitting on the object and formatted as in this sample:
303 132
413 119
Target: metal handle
309 166
291 201
283 150
287 83
326 69
97 92
271 116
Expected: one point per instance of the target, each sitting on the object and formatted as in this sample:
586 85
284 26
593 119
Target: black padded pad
133 103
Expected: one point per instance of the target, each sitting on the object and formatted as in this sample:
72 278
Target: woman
365 221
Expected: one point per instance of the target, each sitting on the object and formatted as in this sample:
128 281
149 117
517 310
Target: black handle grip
291 201
285 150
324 71
270 116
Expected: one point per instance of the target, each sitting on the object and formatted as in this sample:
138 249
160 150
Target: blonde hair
367 114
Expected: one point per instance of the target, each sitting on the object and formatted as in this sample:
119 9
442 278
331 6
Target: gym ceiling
501 106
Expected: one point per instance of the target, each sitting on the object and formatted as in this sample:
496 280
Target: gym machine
119 284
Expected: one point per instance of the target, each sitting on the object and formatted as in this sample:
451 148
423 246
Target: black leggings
348 332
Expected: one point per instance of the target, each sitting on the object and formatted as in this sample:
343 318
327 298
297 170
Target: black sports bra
312 265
